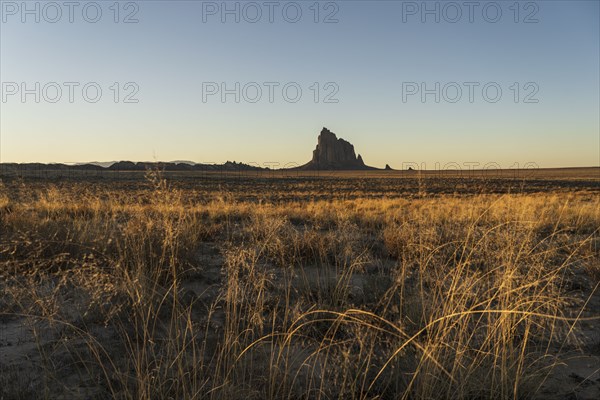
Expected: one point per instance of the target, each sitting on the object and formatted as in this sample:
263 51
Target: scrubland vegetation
161 292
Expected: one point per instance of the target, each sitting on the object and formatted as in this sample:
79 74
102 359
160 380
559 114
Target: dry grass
163 293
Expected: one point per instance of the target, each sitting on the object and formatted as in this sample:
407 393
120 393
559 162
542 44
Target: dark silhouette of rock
388 168
126 166
130 166
334 154
331 153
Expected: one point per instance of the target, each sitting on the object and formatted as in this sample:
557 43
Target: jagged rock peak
332 152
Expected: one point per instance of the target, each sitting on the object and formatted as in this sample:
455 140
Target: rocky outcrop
334 154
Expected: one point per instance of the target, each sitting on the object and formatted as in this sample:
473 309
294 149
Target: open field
270 285
47 171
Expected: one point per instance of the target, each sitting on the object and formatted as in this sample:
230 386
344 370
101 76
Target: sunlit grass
431 297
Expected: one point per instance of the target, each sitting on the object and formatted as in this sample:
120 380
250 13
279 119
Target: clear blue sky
371 54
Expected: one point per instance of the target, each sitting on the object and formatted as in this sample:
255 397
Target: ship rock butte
334 154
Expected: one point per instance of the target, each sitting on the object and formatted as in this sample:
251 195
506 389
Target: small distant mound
127 166
334 154
388 168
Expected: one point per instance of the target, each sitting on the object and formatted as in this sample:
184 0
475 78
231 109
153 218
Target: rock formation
334 154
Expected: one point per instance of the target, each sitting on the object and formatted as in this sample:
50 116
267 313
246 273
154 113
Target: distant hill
183 166
133 166
106 164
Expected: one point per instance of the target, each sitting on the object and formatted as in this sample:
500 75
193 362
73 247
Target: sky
430 83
